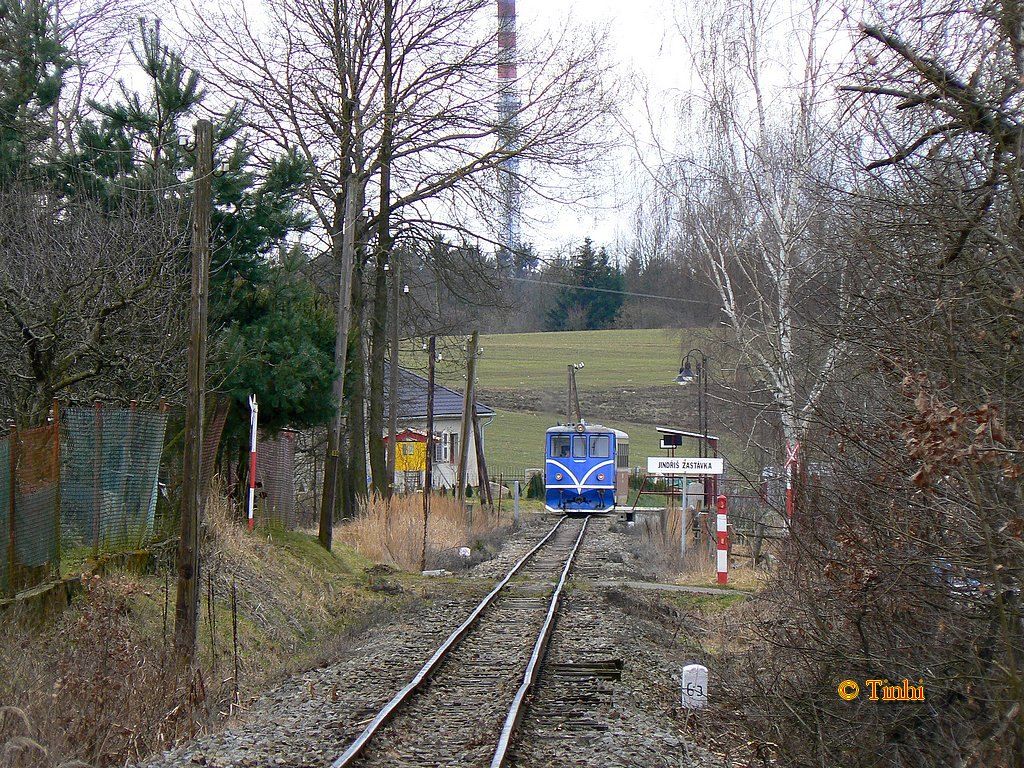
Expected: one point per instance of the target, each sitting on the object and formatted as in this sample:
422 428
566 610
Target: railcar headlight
600 477
558 476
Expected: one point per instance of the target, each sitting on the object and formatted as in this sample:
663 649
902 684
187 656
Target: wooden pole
466 426
344 225
568 394
501 487
484 482
384 234
12 509
56 491
396 297
428 481
186 609
97 476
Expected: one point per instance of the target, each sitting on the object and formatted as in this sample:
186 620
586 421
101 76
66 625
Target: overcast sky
644 49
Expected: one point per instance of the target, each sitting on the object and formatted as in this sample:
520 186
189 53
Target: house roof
409 435
412 397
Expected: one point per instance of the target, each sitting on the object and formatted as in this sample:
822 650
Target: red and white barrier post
722 539
792 451
253 419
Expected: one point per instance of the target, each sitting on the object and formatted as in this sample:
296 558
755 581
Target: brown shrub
94 688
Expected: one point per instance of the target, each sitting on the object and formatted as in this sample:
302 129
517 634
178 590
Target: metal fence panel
5 511
275 479
33 470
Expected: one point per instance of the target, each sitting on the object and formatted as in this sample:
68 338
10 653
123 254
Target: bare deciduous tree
315 79
89 301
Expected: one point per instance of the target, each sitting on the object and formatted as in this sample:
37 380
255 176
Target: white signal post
253 420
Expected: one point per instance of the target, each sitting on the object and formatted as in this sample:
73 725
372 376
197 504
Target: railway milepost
694 681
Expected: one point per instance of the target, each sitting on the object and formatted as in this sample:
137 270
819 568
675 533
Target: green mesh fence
109 477
5 512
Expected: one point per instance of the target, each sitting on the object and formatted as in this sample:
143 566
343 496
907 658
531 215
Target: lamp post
694 368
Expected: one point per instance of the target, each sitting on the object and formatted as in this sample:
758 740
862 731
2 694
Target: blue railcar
586 468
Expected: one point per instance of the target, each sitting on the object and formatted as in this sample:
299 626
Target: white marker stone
695 686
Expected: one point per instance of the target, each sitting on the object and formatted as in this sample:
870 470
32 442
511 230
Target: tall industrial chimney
508 118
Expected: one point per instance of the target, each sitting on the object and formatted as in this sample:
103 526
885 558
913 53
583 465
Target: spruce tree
578 308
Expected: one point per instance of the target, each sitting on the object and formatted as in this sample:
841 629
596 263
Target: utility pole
428 475
186 608
467 407
486 497
572 405
570 380
384 239
396 297
344 230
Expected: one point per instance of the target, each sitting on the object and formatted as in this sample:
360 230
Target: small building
410 459
447 438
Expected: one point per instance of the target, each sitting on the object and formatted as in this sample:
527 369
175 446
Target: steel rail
515 712
385 714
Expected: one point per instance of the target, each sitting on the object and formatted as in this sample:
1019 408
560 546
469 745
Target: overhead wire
556 284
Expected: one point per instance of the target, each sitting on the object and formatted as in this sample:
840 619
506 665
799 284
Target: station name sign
662 465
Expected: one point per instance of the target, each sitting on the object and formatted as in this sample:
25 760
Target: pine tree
32 65
266 328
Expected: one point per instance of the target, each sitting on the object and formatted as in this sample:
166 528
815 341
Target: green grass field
628 383
515 440
645 358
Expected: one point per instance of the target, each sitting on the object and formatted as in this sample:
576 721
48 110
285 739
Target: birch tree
750 198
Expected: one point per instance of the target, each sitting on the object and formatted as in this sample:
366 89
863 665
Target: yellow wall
411 457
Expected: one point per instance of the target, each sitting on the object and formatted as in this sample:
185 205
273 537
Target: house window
408 449
446 451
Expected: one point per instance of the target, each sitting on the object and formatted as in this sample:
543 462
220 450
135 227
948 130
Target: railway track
463 706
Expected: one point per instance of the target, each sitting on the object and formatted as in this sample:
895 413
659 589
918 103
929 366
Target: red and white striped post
722 539
792 450
253 419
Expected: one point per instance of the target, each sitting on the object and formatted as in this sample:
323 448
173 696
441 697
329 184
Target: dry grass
698 568
393 534
93 687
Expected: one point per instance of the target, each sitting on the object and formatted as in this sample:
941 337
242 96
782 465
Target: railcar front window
600 446
560 446
579 446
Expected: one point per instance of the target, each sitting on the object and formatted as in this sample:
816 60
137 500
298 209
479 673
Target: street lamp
694 368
